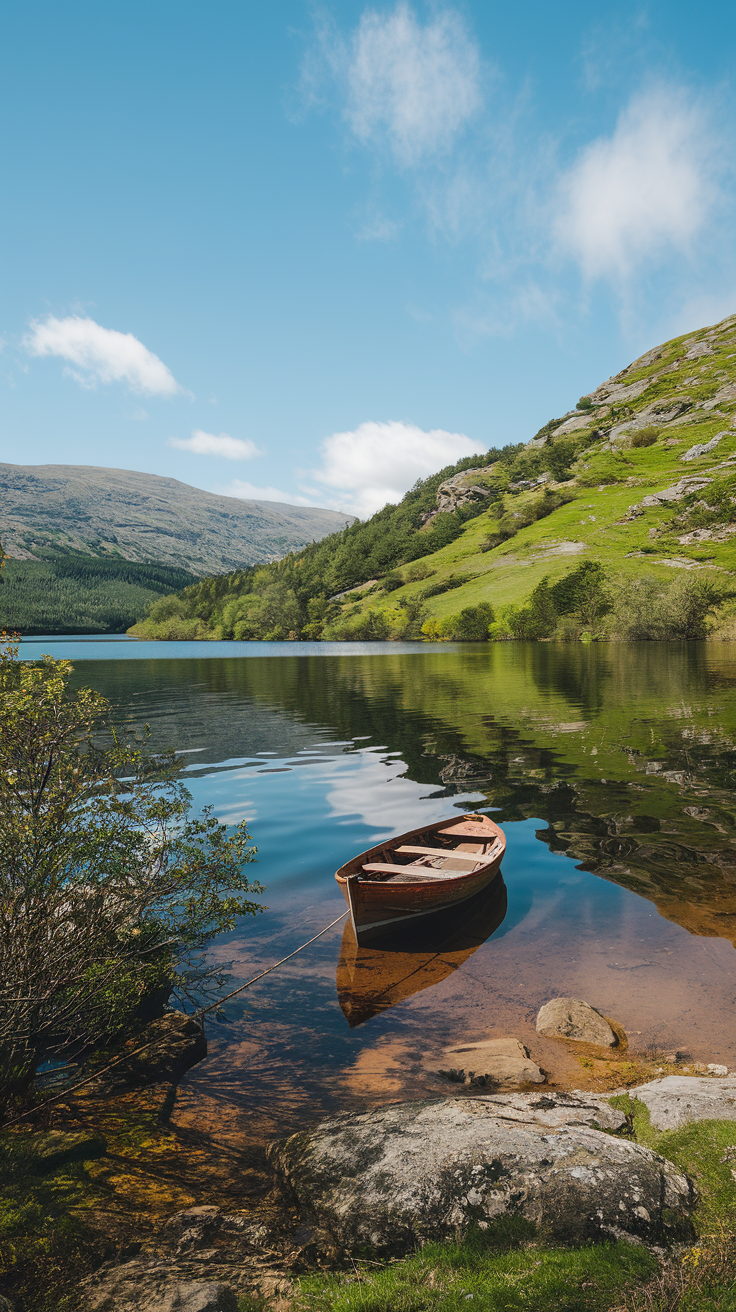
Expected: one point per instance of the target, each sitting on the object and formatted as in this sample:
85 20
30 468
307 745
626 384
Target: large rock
570 1018
491 1062
678 1099
417 1171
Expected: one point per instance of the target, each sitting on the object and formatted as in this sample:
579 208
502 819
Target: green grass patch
497 1271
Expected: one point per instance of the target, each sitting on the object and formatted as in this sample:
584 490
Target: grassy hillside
614 484
78 594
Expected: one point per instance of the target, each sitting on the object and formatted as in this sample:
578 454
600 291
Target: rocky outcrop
678 1099
419 1171
570 1018
704 448
492 1062
468 485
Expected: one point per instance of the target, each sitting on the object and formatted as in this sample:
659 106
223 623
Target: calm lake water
611 767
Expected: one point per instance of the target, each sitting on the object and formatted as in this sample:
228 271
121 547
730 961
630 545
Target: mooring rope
197 1015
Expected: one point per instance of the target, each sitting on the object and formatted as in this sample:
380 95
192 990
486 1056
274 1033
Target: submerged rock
491 1062
389 1179
679 1099
125 1290
570 1018
179 1042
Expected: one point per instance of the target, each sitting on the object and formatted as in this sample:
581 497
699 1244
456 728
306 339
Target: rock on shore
679 1099
418 1171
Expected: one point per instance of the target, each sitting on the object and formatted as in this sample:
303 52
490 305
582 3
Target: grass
496 1272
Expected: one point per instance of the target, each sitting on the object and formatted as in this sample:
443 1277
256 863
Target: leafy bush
472 624
585 403
645 436
107 887
446 585
651 609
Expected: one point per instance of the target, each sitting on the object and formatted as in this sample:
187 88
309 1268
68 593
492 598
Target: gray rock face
678 1099
468 485
702 448
571 1018
419 1171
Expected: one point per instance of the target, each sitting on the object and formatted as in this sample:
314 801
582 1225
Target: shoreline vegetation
617 521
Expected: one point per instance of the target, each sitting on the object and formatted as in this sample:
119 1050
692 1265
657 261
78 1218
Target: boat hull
380 908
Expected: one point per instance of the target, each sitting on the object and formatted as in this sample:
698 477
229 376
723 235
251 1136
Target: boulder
402 1175
179 1043
677 1099
491 1062
570 1018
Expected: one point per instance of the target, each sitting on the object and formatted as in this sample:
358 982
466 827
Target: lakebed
611 768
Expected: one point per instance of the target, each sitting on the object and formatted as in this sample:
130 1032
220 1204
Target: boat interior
439 854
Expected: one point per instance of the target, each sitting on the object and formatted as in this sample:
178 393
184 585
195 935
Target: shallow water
612 769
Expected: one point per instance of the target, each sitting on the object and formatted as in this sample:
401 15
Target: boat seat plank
466 858
385 868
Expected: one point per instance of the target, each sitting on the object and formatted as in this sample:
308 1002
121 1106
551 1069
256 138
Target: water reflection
372 979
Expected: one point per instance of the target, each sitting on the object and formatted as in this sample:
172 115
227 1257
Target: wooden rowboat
424 873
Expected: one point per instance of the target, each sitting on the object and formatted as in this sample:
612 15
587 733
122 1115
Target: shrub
107 888
371 626
473 622
392 581
650 609
645 436
446 585
584 403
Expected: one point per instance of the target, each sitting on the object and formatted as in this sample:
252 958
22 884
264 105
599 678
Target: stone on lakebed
571 1018
414 1172
492 1061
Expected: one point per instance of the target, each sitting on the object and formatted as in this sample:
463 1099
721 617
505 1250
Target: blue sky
312 253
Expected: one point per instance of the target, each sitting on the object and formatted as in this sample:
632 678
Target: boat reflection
372 979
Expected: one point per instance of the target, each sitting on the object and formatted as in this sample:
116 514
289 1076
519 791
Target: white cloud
249 492
377 463
216 444
102 354
644 189
416 85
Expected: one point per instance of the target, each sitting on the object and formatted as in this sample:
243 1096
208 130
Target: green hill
618 517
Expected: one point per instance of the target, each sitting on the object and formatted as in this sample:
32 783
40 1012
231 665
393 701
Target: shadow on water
372 979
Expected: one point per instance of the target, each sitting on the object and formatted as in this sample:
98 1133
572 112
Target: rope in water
152 1042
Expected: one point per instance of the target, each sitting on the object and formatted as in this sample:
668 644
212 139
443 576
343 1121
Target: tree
109 891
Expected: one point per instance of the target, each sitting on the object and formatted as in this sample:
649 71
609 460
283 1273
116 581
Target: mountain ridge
148 518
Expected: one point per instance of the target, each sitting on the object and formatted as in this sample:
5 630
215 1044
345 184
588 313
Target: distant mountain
57 509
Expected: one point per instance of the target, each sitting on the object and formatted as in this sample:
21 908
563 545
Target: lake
611 767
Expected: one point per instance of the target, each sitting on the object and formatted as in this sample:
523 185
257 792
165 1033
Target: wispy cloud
216 444
101 355
376 463
641 192
408 85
